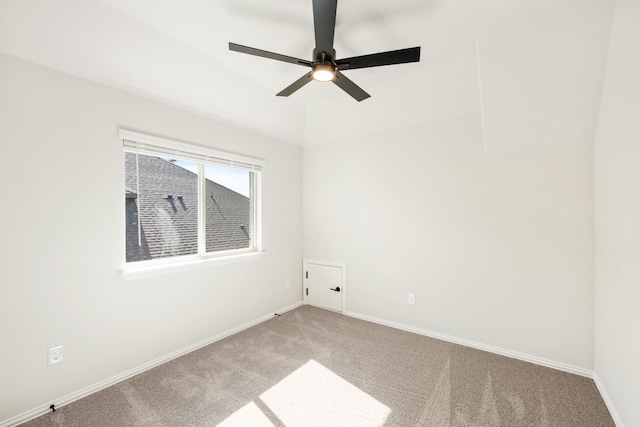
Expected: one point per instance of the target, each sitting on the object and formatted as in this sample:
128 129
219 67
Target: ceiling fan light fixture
323 72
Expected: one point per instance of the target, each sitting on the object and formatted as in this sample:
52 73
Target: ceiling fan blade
266 54
296 85
350 87
324 24
401 56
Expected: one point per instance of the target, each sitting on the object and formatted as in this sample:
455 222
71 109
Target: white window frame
135 142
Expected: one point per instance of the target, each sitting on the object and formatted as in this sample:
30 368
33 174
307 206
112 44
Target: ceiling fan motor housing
322 56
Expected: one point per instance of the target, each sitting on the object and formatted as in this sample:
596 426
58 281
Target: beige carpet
312 367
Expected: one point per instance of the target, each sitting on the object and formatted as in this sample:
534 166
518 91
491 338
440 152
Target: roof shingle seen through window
166 203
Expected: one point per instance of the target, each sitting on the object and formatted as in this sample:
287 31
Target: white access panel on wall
325 284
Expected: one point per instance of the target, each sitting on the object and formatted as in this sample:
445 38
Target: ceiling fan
324 65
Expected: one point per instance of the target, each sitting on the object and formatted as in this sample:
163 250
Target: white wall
617 218
486 214
498 248
62 237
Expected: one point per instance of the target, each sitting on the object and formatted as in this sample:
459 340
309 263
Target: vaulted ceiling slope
497 58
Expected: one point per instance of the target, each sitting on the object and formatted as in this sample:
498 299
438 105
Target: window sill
130 272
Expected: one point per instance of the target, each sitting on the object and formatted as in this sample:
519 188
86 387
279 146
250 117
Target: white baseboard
467 343
43 409
65 400
607 400
513 354
497 350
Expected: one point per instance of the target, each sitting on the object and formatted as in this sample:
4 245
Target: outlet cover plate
55 355
411 299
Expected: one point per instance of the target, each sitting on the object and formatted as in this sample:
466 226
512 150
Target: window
185 202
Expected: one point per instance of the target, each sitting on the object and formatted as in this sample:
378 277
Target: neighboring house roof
166 203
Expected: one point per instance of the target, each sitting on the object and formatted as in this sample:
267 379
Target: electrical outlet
411 299
55 355
287 284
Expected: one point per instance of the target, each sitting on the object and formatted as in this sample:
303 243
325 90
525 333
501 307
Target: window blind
140 143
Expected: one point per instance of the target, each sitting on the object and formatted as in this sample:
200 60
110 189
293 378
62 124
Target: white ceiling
176 51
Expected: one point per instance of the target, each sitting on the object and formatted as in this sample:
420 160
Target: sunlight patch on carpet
248 415
314 395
